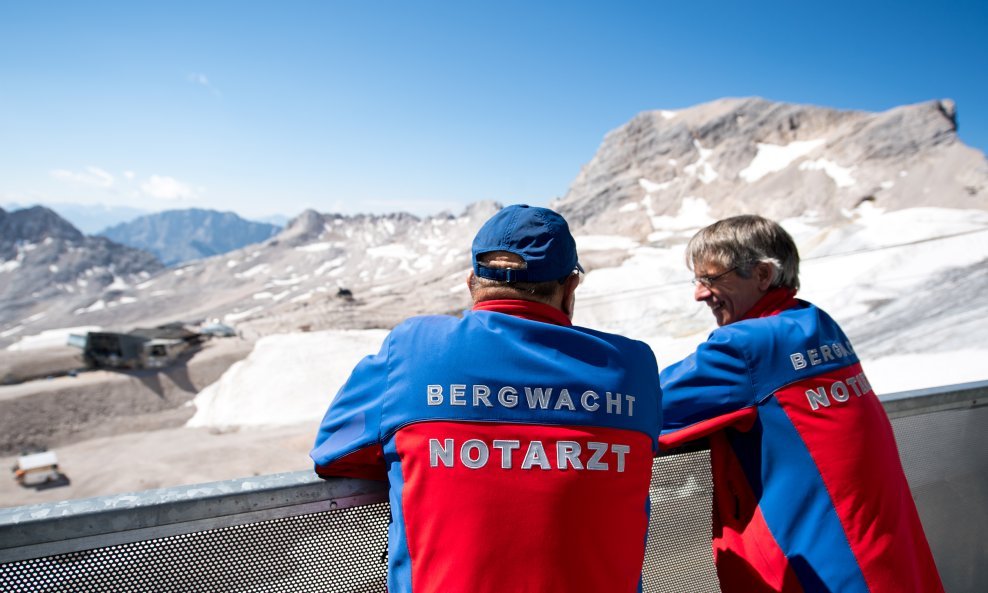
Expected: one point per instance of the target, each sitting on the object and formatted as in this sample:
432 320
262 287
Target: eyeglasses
708 281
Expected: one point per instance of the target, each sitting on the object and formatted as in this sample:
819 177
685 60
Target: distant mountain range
178 236
652 183
88 218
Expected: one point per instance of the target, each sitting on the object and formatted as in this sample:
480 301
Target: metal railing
295 532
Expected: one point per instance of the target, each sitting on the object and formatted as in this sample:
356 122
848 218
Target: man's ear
569 294
470 282
764 273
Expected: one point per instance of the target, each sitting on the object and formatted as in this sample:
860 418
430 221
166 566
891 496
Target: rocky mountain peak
50 268
306 226
949 110
35 224
178 236
778 159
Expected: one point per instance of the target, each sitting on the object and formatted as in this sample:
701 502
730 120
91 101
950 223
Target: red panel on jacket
524 530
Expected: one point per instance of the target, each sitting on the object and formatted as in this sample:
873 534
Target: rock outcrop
780 160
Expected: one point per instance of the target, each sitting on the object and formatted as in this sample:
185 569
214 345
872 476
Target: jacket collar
526 310
772 302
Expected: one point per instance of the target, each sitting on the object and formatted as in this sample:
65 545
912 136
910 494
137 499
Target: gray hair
742 242
486 289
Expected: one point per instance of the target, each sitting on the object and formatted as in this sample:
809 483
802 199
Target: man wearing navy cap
517 447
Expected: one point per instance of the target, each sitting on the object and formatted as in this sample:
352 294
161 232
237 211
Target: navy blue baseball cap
539 236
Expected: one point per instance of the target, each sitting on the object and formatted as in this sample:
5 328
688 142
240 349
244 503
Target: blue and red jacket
518 450
809 492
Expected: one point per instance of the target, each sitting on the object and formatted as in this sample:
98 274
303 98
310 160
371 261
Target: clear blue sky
353 106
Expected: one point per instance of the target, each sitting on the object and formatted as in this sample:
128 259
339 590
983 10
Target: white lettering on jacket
819 355
477 454
533 398
838 391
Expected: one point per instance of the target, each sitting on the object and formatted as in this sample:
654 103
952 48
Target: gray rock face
33 225
48 267
305 227
779 160
177 236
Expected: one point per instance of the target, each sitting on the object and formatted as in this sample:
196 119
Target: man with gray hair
517 447
809 491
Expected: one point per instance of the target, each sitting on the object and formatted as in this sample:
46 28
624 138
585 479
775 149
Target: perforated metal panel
945 458
945 455
339 550
678 556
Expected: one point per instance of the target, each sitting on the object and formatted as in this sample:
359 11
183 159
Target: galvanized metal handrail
42 530
936 399
48 529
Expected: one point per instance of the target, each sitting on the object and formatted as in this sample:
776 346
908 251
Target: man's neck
772 302
526 310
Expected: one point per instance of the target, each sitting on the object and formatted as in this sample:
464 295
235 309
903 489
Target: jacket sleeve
707 391
349 440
